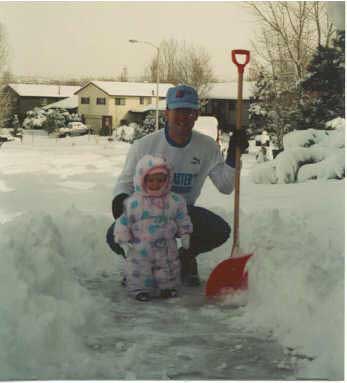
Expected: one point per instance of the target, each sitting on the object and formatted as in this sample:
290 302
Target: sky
91 38
87 39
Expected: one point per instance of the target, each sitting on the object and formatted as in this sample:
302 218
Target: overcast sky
91 38
77 39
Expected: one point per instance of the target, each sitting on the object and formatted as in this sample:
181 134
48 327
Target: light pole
157 95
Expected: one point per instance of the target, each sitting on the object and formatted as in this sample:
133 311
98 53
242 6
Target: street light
157 95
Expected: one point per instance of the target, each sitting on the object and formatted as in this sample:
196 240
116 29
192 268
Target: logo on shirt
195 161
182 183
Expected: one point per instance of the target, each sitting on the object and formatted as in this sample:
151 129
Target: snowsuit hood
149 165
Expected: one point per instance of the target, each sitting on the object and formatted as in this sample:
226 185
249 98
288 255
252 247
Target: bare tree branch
183 63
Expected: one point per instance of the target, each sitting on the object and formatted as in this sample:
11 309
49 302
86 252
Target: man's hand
239 138
117 205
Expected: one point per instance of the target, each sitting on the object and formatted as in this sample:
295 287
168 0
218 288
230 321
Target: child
153 217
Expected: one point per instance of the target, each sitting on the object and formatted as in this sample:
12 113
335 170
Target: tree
290 32
123 77
15 126
182 63
324 86
5 102
272 107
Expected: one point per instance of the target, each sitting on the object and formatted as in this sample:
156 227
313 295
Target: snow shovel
230 276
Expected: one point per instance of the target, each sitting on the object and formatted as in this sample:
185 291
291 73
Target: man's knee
224 233
209 229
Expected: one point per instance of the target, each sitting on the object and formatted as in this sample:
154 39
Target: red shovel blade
229 276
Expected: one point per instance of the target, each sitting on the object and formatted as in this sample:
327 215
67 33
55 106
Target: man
193 156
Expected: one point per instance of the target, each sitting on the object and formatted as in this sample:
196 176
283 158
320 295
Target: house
221 101
105 104
25 97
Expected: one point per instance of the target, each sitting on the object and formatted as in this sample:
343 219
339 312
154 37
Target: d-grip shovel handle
244 52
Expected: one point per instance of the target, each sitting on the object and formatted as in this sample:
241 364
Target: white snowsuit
150 224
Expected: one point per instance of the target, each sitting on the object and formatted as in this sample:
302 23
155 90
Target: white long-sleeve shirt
191 163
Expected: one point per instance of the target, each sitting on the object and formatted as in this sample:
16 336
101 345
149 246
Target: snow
64 315
308 154
207 125
67 103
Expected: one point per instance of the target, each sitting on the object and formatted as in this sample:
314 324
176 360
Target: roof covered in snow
66 103
113 88
228 90
44 90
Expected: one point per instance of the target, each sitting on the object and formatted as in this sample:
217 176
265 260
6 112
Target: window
119 101
84 100
100 101
145 100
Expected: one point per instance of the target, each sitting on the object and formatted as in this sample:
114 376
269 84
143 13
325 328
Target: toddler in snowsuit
153 217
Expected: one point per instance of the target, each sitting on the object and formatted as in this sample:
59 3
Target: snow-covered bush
309 154
35 119
303 138
126 133
49 120
148 125
55 120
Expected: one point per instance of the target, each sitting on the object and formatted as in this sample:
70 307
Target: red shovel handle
244 52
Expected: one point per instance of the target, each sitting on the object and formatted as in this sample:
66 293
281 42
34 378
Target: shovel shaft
236 238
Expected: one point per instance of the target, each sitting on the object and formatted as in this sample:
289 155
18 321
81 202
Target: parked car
73 129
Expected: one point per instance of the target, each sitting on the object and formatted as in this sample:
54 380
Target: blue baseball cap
182 96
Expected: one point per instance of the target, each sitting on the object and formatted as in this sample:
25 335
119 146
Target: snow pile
48 313
297 290
308 154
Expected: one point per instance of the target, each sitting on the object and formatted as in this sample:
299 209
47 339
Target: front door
107 124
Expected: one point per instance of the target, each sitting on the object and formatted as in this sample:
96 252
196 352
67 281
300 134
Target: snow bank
308 154
296 290
44 318
303 138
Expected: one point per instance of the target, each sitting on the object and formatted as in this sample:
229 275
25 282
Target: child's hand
185 240
126 247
